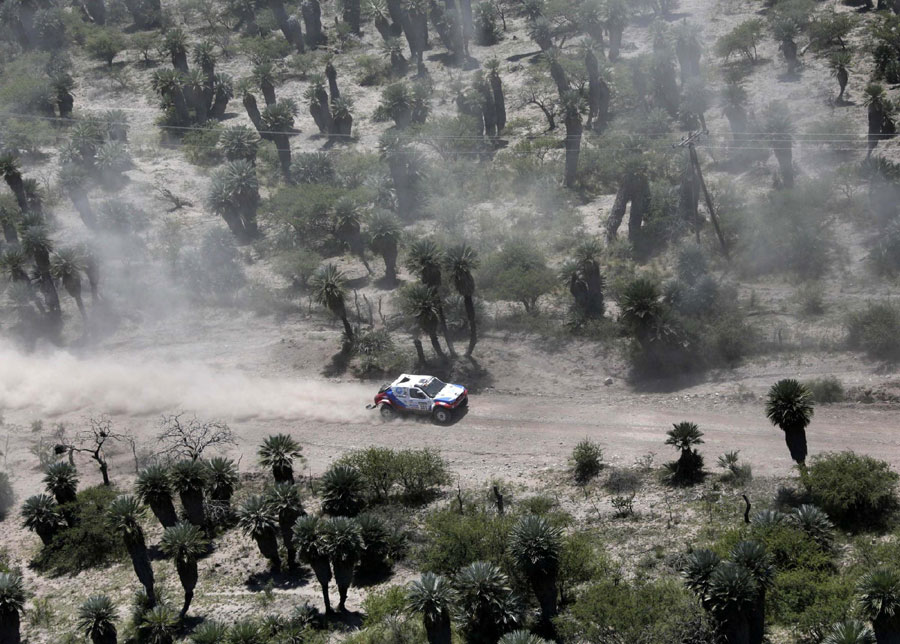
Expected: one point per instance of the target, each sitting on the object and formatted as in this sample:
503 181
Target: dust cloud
57 383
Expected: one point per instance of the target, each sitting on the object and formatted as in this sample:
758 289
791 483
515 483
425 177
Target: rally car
423 395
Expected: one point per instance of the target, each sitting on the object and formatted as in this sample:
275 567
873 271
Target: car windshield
433 387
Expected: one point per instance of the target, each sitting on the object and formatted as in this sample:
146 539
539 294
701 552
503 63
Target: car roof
410 380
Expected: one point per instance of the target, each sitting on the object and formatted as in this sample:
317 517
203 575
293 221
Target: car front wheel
442 415
387 412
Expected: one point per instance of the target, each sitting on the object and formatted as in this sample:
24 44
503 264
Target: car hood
449 393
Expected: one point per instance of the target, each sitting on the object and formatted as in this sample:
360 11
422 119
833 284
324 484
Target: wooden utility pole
688 142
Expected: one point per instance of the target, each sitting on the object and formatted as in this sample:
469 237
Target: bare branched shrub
189 438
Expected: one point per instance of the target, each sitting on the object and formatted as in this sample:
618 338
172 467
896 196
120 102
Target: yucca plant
245 631
342 490
278 452
12 604
535 545
257 520
488 608
66 265
733 594
328 289
343 543
384 239
313 551
222 479
124 515
522 637
815 523
185 544
432 597
698 569
850 631
423 304
285 501
789 406
879 598
188 479
42 516
239 143
839 63
752 556
461 263
154 488
158 625
210 632
684 436
96 618
61 480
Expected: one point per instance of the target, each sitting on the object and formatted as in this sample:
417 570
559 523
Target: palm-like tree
96 618
879 598
572 105
733 595
425 259
328 288
789 406
61 480
587 280
312 550
347 228
752 556
73 178
342 491
535 545
432 597
780 130
839 63
189 480
167 83
684 436
488 607
850 631
222 477
219 200
154 488
66 265
195 88
384 240
698 570
257 520
124 516
880 110
36 243
343 543
185 544
242 187
641 308
12 174
264 77
285 501
461 263
734 104
223 91
159 625
42 516
341 119
277 121
240 143
12 603
422 303
278 452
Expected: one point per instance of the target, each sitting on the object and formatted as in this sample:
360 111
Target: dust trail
56 383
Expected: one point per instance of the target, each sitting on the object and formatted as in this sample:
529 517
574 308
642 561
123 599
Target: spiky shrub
587 461
96 619
222 478
688 469
257 520
879 599
159 625
376 542
698 569
154 488
343 543
12 603
432 597
312 550
535 545
328 289
752 556
875 330
855 490
850 631
733 594
189 480
284 500
522 637
789 406
239 143
396 104
61 480
42 516
210 632
487 606
342 491
278 452
815 523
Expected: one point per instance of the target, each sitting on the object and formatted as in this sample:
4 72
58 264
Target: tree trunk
420 352
268 91
887 629
286 520
389 253
140 561
343 575
187 573
436 345
65 102
106 636
438 631
444 330
164 510
104 467
737 120
351 15
48 288
843 77
758 619
180 105
97 11
348 329
283 145
220 104
235 224
789 49
796 444
322 569
291 30
9 232
192 501
785 162
284 474
689 197
499 102
573 148
253 112
615 42
312 20
9 627
267 542
46 534
470 316
544 587
15 183
331 75
83 206
640 204
488 110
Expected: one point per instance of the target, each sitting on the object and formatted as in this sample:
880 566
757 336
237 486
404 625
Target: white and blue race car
423 395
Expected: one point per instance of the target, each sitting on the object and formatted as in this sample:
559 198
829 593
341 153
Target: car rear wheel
442 415
387 412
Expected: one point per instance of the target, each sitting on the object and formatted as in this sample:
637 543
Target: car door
419 401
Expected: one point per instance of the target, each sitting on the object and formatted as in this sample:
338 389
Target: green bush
826 390
876 331
373 70
452 540
518 273
104 44
587 461
742 40
200 145
377 465
376 355
89 543
420 472
856 490
580 562
810 600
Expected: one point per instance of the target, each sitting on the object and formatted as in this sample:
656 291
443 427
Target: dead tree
93 441
182 438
